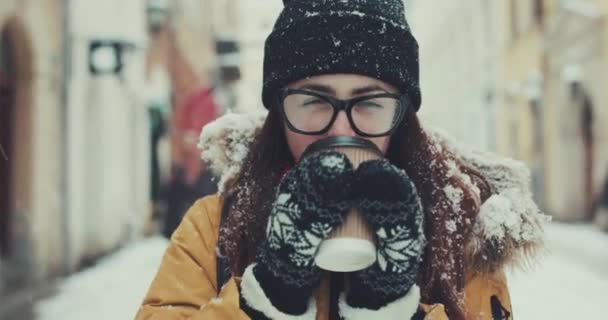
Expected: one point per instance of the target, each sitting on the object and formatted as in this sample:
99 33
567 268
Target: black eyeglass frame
346 105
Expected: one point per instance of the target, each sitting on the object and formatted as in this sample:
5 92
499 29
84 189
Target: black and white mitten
311 201
389 201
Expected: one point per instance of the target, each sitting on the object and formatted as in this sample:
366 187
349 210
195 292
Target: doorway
7 106
15 128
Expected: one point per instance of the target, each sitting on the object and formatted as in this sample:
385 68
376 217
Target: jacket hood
509 226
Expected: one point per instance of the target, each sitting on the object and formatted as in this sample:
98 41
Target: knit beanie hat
365 37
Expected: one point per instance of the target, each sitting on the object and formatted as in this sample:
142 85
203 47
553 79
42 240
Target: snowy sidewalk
570 283
111 290
571 280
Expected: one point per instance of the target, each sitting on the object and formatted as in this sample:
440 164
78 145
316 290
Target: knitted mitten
389 201
311 201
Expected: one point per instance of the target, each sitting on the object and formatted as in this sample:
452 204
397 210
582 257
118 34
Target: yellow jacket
185 286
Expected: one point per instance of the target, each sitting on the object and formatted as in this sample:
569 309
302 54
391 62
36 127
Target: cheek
299 142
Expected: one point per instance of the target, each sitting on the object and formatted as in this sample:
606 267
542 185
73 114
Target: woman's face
341 86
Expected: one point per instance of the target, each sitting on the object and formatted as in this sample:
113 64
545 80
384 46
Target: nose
341 127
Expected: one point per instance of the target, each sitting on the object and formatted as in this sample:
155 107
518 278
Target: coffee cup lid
335 142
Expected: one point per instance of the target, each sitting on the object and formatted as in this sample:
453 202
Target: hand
389 201
311 201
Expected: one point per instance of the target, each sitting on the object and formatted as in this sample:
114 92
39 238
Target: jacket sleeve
185 285
487 296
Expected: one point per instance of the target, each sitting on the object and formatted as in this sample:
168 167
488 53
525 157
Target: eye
369 104
312 101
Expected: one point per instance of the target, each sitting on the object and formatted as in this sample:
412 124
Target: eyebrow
329 90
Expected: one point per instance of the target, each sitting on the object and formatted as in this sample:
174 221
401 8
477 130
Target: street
571 281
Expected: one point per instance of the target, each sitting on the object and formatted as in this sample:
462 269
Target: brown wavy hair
451 194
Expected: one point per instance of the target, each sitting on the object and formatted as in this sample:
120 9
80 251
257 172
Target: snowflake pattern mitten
389 201
311 201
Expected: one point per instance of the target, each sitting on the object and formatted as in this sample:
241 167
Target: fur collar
509 227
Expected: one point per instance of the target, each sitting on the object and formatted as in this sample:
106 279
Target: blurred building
256 19
106 127
521 112
32 230
99 100
74 135
525 79
554 105
86 87
458 54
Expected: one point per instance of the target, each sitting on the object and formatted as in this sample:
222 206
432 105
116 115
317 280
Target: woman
344 68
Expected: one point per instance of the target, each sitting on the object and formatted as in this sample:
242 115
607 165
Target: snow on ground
571 282
112 289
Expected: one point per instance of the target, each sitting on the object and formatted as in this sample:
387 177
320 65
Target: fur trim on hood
509 227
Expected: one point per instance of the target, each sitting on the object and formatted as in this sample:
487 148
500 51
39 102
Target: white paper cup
351 246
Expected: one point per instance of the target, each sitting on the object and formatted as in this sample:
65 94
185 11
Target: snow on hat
366 37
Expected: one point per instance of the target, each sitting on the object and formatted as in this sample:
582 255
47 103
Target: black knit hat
366 37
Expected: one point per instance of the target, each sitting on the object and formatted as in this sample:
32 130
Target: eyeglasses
312 113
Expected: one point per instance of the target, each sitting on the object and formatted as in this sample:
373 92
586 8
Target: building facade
458 53
554 103
74 139
524 79
256 22
31 93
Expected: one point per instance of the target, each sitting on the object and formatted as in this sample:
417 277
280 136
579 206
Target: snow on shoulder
509 226
224 143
